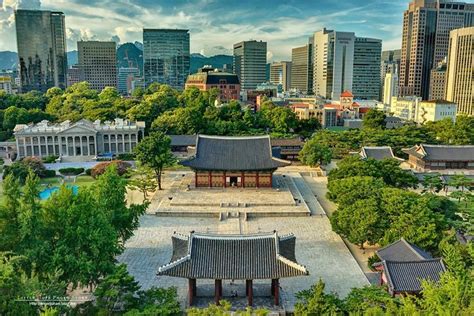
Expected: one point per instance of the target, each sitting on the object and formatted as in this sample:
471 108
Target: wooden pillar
257 184
272 287
223 178
191 291
210 179
242 182
217 290
249 287
276 290
195 179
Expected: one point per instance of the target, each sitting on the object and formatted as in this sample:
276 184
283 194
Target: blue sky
216 24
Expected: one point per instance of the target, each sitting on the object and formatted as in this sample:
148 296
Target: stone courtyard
317 247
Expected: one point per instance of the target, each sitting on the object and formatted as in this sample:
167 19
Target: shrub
35 164
49 173
20 169
88 171
50 159
71 171
100 168
126 156
373 259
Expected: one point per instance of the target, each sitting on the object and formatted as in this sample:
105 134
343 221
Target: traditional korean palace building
233 257
245 162
84 139
378 153
440 157
404 266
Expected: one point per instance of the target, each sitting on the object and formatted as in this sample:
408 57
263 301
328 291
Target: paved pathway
318 186
317 247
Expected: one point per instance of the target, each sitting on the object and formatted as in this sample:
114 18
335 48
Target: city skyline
215 26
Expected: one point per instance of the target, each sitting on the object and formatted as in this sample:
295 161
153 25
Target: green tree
412 218
10 214
432 183
359 222
109 192
373 300
347 191
315 302
143 180
374 119
117 291
315 154
154 151
387 169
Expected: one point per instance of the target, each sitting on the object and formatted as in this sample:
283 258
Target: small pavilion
243 162
233 257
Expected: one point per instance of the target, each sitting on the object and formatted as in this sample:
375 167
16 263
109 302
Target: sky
215 25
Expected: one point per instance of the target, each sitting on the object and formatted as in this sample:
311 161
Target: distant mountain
217 61
72 58
8 60
129 55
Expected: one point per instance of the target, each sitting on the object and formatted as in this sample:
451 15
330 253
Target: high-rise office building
166 57
280 73
438 81
366 70
41 42
425 39
126 76
302 68
333 63
460 73
98 63
250 58
73 75
390 63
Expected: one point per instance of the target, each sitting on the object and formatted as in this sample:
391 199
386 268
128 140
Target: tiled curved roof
234 153
402 250
238 257
406 276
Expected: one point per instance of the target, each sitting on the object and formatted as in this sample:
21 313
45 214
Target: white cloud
211 32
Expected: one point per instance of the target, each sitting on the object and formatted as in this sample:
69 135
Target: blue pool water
46 194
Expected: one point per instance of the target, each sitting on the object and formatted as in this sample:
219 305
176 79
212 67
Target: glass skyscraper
166 56
41 42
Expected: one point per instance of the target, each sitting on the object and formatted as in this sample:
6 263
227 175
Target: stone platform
284 199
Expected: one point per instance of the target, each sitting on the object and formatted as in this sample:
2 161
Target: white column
123 143
130 142
116 143
24 146
88 147
74 145
32 146
46 144
80 140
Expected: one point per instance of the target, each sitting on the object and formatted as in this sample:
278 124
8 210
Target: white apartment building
6 84
418 111
390 88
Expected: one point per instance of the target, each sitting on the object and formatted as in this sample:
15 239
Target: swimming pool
46 194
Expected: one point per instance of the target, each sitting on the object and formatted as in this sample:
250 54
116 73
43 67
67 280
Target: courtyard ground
321 250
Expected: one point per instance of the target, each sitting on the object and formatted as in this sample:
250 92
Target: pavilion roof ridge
174 263
292 264
234 137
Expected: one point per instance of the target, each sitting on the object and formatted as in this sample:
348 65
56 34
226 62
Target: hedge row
71 171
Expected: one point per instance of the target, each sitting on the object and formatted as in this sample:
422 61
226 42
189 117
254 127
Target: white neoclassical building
83 139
